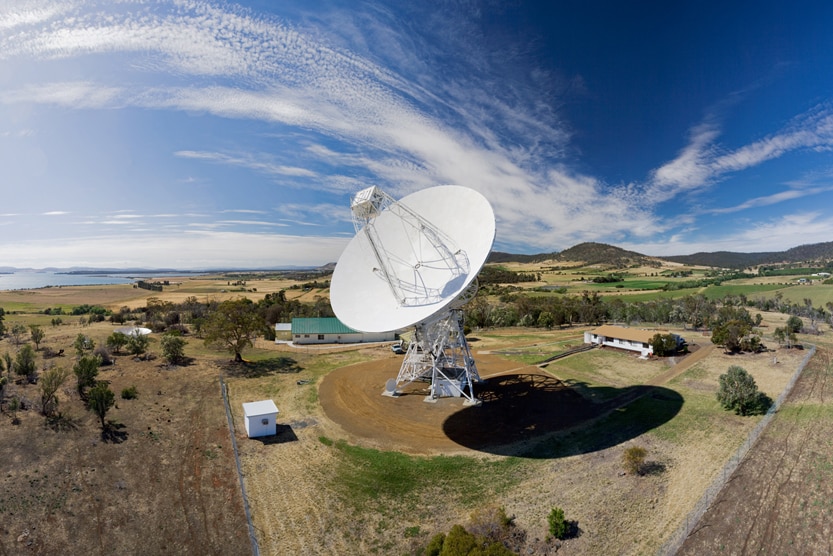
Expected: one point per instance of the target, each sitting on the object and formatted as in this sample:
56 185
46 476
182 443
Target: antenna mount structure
413 262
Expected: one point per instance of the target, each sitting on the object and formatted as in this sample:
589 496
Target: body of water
31 280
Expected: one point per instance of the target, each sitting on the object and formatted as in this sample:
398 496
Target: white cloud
775 198
190 250
773 234
702 162
248 161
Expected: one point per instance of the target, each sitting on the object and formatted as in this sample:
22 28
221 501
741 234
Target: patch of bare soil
518 405
780 499
164 483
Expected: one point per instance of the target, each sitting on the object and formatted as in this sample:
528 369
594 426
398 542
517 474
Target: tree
83 344
546 320
49 383
730 334
173 348
738 392
137 344
9 363
86 372
36 333
2 324
233 325
100 399
116 341
17 331
24 363
664 344
795 324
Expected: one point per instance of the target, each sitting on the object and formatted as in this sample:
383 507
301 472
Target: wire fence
675 542
252 536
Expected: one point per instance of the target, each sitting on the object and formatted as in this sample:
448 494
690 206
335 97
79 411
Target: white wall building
261 418
330 330
631 339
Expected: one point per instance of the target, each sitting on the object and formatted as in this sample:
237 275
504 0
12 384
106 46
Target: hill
501 257
818 253
724 259
591 253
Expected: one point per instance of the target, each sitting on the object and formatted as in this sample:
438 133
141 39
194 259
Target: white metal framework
422 270
440 354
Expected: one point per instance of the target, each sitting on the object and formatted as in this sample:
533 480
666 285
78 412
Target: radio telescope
413 262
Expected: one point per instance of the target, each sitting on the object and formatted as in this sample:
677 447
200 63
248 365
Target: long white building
622 337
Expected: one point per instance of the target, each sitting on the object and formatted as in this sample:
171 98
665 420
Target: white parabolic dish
363 300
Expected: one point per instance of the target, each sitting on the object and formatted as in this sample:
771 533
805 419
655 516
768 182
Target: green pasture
630 284
652 296
819 294
749 290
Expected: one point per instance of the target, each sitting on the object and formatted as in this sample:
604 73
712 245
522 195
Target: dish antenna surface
414 262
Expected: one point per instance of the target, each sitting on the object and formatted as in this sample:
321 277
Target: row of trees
729 319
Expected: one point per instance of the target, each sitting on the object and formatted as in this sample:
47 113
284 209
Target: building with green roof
330 330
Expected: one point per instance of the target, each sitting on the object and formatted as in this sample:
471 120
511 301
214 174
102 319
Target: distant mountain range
601 253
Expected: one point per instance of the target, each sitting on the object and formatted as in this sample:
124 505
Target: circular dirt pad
518 404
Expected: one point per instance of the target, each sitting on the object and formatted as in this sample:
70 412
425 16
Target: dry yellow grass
617 513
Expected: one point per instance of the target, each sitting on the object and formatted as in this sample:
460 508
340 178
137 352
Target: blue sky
202 135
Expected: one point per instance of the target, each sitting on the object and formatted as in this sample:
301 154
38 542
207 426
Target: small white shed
261 418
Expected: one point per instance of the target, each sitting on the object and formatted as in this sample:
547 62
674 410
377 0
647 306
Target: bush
739 393
559 527
633 459
137 344
173 348
129 393
104 355
435 546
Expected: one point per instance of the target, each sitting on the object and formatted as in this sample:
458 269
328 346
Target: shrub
129 393
173 348
435 546
83 344
104 355
458 541
633 459
492 524
559 527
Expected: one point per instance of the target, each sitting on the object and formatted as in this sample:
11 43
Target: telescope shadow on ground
537 416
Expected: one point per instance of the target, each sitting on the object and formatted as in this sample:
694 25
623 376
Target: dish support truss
422 272
440 354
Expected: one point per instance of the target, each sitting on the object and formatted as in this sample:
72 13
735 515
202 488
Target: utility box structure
261 418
